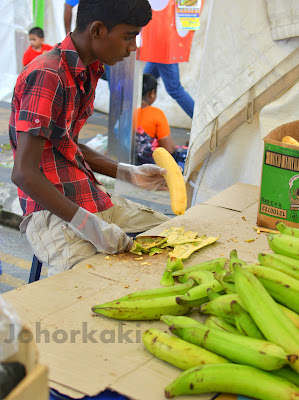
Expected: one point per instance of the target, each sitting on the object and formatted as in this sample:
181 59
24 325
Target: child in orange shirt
152 126
37 45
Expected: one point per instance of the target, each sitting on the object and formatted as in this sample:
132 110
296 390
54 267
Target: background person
170 75
152 126
69 216
37 45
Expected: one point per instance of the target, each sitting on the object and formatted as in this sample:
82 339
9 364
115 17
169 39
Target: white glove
146 176
107 238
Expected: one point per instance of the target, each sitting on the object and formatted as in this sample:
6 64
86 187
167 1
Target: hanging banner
188 13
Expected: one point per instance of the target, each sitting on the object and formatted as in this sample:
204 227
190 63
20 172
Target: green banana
206 265
221 307
182 278
138 310
287 265
287 230
171 319
212 294
232 378
233 258
284 244
228 287
176 351
218 323
159 292
268 316
198 293
288 374
173 264
294 317
282 294
243 321
273 275
240 349
200 277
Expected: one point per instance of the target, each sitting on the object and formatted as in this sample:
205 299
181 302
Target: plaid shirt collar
71 57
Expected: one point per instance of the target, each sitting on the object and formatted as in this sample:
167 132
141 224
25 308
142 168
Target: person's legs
54 243
152 68
130 216
171 78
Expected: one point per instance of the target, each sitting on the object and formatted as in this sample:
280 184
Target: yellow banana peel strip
183 251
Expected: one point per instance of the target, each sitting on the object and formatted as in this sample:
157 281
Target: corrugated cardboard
62 304
35 384
279 200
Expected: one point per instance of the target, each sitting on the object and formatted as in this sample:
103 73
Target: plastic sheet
10 327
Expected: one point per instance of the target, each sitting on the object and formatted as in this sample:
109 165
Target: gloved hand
107 238
146 176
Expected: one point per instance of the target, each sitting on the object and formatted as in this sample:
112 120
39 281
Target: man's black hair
37 31
149 83
113 12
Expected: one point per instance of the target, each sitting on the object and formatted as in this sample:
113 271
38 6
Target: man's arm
28 177
67 17
98 162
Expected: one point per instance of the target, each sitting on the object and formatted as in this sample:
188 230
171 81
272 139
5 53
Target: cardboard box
35 383
87 354
279 195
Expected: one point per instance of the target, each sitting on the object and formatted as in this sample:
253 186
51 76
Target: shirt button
36 120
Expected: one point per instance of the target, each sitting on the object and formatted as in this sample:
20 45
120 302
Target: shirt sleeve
163 129
72 3
41 100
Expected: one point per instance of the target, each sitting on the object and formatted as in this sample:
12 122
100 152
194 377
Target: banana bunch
153 303
252 322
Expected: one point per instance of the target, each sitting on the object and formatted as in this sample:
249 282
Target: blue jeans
171 78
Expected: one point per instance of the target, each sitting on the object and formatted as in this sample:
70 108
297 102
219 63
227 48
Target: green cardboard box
279 195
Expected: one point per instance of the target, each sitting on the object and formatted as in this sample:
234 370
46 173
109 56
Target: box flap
237 197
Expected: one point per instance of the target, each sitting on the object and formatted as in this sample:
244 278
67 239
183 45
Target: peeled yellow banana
174 179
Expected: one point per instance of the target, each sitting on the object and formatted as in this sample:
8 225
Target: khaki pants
56 244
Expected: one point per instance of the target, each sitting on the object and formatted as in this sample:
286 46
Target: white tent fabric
242 70
16 17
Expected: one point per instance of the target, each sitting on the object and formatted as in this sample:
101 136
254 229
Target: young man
37 45
69 215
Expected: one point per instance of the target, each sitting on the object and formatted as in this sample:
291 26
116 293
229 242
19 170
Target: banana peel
175 234
183 251
155 250
144 244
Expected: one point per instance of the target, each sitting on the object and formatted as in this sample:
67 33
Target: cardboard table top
87 354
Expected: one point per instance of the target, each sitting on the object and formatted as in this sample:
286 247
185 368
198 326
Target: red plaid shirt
50 101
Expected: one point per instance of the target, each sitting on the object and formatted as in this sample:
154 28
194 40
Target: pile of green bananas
249 342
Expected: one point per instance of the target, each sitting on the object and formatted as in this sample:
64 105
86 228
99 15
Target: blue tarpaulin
106 395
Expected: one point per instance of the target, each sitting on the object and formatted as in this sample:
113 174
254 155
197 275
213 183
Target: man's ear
98 30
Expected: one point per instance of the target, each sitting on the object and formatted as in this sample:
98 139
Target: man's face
116 44
36 42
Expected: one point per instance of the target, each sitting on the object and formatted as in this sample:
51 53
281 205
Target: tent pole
38 13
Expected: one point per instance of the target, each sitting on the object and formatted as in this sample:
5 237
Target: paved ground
15 252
